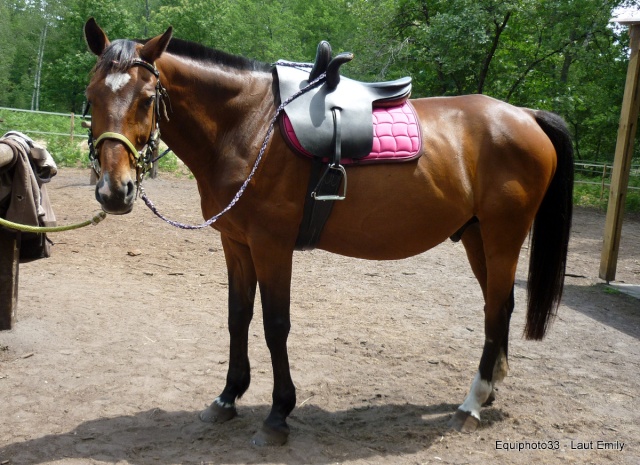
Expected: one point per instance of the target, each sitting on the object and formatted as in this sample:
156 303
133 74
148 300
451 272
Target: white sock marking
478 395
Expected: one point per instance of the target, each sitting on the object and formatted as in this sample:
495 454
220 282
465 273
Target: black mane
121 53
199 52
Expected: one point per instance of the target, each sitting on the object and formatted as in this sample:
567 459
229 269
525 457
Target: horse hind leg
492 370
497 286
474 246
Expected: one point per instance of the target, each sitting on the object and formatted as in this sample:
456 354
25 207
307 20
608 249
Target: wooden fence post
73 123
622 160
9 269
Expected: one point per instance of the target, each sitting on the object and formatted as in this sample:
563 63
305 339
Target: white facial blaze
117 81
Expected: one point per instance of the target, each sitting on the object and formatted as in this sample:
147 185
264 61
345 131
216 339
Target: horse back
480 158
496 143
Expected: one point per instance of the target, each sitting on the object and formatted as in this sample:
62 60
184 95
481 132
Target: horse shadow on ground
609 307
600 303
317 436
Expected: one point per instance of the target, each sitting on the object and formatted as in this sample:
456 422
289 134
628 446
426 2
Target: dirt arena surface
121 340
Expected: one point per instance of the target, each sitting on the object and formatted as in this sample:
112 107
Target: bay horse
497 169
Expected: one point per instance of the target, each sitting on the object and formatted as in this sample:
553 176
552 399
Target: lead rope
236 198
97 217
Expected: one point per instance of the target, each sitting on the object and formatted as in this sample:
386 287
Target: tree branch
537 61
494 46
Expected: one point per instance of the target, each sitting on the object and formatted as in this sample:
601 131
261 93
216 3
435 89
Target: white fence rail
72 133
602 171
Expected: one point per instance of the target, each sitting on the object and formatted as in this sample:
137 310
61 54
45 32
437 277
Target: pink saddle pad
396 136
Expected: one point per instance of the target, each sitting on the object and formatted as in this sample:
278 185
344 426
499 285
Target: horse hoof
267 436
464 422
490 400
217 413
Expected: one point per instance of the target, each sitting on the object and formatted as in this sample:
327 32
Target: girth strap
324 182
323 190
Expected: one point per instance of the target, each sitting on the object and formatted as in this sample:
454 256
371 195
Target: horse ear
96 38
156 46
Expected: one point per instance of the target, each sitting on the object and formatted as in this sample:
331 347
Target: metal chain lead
267 137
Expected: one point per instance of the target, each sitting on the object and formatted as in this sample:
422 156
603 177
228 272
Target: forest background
560 55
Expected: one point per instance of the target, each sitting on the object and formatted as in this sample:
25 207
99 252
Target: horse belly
393 245
393 212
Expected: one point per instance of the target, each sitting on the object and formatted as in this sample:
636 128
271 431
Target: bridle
143 158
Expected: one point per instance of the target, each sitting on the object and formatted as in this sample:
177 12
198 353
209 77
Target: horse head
125 94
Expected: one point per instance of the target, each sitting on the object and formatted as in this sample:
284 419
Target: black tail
551 229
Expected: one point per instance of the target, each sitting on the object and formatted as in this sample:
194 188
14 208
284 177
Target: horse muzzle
116 196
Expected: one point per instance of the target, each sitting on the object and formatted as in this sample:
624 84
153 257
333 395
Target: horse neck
215 112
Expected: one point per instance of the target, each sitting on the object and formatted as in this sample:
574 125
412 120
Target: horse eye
87 109
149 101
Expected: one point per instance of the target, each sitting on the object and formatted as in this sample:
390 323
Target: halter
144 157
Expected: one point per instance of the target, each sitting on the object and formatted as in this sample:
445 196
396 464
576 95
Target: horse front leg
242 291
274 279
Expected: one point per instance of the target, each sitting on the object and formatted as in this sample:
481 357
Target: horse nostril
102 189
130 189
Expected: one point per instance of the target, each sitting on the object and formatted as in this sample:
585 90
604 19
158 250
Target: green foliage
611 290
168 163
7 51
26 122
54 130
192 20
68 153
557 55
262 29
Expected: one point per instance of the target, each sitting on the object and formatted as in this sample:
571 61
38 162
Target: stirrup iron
334 168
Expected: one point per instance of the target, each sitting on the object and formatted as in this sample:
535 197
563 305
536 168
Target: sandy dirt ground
121 340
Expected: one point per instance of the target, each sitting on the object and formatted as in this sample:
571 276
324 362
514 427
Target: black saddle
330 119
312 114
